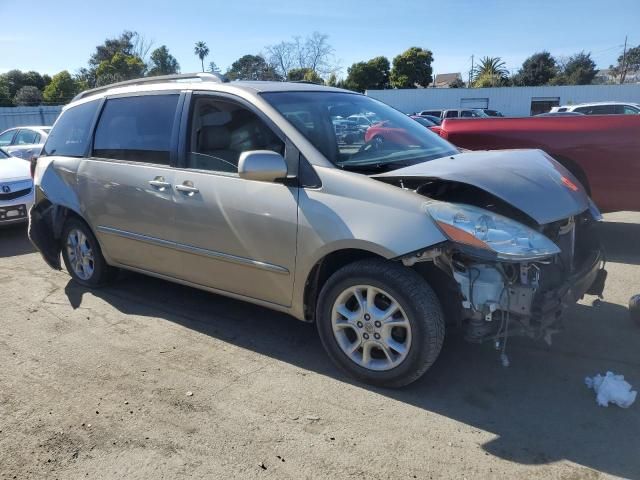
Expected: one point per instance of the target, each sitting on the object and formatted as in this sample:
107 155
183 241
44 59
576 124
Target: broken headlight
482 229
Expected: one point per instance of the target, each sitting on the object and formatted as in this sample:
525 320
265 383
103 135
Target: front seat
214 141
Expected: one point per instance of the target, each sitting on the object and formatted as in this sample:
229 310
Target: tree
161 62
120 67
537 70
373 74
332 81
627 63
304 75
251 67
213 68
457 83
14 81
412 68
115 60
28 95
313 52
201 50
490 72
579 69
61 89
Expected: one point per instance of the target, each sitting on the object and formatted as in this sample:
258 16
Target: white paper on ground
612 389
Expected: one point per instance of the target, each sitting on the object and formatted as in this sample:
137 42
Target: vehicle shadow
14 241
539 408
622 241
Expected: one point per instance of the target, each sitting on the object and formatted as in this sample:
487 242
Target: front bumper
588 279
16 210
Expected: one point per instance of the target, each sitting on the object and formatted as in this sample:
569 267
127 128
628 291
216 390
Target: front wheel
381 322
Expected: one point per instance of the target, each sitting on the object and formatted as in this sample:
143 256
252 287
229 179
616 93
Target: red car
602 151
385 132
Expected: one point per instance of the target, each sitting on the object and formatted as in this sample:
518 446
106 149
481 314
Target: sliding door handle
187 189
159 184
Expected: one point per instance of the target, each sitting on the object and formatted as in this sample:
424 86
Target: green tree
628 63
370 75
5 98
201 50
161 62
579 69
213 68
457 83
14 81
28 96
251 67
62 89
304 75
412 68
490 72
120 67
114 53
34 79
537 70
332 81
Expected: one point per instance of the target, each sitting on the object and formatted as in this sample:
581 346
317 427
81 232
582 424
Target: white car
24 142
16 189
600 108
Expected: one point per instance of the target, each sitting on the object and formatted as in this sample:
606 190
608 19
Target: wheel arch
323 269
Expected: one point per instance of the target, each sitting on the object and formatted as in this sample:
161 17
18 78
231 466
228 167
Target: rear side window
70 135
137 129
26 137
451 114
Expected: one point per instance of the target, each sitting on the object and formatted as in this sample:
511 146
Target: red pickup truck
602 151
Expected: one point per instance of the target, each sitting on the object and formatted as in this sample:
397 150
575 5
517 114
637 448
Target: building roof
444 79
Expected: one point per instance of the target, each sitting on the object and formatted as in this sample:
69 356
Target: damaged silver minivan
248 189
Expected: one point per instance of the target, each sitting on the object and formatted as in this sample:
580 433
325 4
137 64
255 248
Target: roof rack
203 77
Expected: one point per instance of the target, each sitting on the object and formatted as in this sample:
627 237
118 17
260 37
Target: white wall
511 101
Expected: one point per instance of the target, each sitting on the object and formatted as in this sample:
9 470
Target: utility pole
623 74
470 73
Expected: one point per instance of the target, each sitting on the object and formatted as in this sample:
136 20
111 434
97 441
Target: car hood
13 168
529 180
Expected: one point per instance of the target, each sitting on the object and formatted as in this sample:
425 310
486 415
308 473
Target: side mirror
262 165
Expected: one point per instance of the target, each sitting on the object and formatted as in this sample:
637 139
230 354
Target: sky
61 34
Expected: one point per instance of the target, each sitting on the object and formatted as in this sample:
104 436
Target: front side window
221 130
393 139
629 110
451 114
6 137
70 134
26 137
136 129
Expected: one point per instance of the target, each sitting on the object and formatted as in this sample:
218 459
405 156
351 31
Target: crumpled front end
500 299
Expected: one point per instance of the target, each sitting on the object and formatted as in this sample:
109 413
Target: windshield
356 132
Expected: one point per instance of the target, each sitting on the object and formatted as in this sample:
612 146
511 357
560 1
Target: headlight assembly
482 229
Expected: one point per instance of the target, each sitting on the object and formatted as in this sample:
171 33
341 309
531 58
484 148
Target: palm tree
201 50
490 70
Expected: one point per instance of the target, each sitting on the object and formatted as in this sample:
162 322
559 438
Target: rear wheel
381 322
82 255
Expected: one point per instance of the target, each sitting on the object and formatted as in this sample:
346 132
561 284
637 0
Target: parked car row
597 108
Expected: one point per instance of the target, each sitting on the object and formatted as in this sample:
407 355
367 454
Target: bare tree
318 53
281 57
141 46
311 53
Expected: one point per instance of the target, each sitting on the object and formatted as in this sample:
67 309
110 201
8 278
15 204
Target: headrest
215 119
214 138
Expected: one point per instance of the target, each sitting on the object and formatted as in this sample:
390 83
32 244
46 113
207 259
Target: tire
420 314
93 273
